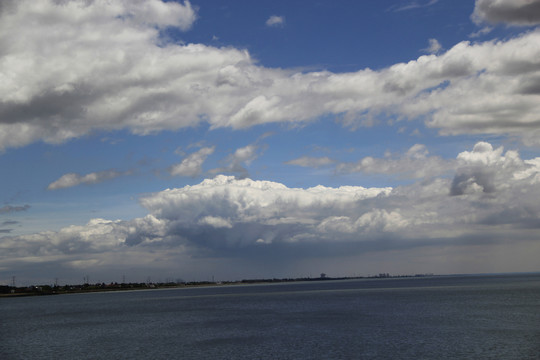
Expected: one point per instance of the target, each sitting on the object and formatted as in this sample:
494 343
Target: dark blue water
459 317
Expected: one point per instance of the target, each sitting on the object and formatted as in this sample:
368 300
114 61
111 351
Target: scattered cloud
275 21
237 162
74 179
6 209
413 5
434 46
511 12
192 164
308 161
483 31
415 163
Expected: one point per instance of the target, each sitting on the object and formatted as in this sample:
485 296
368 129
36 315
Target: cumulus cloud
192 164
6 209
94 67
97 236
74 179
491 199
218 213
414 163
227 213
246 200
514 12
275 21
485 169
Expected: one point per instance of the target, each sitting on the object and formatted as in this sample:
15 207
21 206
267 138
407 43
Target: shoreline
45 290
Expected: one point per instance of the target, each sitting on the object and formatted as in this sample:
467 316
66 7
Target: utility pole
13 281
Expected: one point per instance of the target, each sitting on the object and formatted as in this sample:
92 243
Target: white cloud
414 163
235 163
245 154
275 21
215 221
483 31
413 5
487 170
434 46
73 179
250 201
492 199
227 213
94 67
97 236
192 164
162 14
514 12
309 161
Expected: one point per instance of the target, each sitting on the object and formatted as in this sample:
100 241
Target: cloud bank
94 68
491 199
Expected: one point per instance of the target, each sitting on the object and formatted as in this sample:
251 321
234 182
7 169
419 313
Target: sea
439 317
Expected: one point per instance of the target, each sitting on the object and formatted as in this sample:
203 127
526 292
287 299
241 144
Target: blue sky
268 138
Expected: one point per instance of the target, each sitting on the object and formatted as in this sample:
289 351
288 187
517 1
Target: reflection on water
494 317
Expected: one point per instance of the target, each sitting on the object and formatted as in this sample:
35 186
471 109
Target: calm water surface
458 317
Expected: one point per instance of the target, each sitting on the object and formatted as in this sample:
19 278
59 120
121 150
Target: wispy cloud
74 179
309 161
191 165
11 209
414 163
275 21
9 223
237 162
483 31
413 5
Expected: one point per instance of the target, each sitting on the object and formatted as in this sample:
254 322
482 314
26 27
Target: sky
247 139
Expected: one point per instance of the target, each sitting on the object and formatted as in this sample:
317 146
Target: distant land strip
39 290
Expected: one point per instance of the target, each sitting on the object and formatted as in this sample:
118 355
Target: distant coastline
42 290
